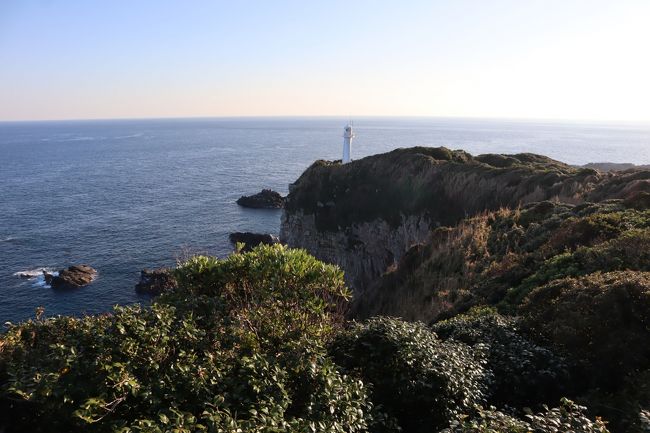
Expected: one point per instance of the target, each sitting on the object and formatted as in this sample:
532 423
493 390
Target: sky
532 59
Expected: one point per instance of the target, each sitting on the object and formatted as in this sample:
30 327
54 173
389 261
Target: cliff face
365 215
364 250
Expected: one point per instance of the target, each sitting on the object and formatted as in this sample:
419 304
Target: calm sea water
124 195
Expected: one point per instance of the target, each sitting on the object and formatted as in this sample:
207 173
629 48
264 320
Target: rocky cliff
365 215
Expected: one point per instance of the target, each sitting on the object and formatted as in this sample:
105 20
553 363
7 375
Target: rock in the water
266 199
73 277
155 281
251 240
48 277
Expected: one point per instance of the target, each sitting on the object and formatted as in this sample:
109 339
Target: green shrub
595 228
276 294
523 372
416 379
567 418
599 320
628 251
198 359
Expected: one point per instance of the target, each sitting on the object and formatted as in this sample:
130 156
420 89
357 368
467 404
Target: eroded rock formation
72 277
266 199
251 240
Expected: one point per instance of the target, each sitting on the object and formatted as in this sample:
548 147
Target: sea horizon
531 120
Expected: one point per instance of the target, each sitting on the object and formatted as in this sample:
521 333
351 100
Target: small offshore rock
266 199
156 281
48 278
251 240
72 277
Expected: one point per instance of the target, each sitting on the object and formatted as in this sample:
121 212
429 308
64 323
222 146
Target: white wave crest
34 273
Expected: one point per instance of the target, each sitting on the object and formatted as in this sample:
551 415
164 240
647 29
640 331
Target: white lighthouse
348 135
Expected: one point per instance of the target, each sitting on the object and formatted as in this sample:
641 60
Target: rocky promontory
365 215
72 277
266 199
251 240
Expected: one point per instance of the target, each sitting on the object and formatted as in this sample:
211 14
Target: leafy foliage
523 372
416 379
276 294
568 417
629 250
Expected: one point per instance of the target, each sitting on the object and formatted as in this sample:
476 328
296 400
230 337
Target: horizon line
332 116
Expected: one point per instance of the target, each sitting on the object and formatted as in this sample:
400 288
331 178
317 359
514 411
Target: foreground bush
567 418
417 380
523 372
275 293
228 356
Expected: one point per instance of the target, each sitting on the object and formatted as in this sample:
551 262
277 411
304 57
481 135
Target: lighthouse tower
348 135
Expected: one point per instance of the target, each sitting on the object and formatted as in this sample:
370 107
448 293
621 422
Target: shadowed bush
416 379
600 321
567 418
524 374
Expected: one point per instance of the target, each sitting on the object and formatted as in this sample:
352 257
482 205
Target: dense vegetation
446 185
257 342
572 286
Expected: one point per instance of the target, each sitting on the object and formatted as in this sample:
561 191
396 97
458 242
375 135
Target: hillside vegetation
446 185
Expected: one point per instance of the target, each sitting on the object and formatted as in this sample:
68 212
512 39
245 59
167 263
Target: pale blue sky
559 59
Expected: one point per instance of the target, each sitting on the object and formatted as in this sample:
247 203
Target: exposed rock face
266 199
365 215
251 240
155 281
364 250
72 277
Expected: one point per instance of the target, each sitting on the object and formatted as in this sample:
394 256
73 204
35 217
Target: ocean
123 195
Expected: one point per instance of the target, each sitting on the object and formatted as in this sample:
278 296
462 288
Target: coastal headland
420 290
